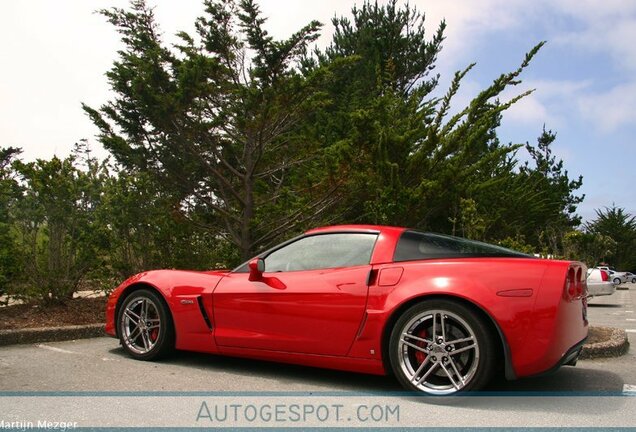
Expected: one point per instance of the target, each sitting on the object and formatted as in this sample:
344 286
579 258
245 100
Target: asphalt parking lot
100 365
616 310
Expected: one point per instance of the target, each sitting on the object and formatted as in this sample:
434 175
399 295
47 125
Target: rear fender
507 301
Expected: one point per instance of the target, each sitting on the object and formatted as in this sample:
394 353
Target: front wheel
441 347
617 281
145 325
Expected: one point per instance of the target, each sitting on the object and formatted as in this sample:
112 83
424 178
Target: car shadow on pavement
333 380
567 379
579 381
570 391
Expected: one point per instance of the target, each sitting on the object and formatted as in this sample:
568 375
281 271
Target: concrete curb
616 346
50 334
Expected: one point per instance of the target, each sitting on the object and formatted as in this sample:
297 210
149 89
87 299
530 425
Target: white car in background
618 277
615 276
599 283
631 277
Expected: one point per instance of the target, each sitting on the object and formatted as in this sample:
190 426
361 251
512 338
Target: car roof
354 228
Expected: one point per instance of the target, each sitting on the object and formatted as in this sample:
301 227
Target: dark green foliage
145 230
589 247
390 45
255 138
213 121
9 196
69 223
550 181
614 222
56 225
408 161
231 140
536 202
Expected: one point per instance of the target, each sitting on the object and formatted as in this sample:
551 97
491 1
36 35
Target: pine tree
214 120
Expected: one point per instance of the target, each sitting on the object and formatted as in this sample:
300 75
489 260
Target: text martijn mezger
40 424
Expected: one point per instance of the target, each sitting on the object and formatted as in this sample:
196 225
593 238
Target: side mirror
257 267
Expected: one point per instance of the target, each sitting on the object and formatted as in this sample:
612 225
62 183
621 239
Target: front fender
188 297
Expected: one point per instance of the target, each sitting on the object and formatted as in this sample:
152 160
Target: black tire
476 364
617 281
633 280
147 345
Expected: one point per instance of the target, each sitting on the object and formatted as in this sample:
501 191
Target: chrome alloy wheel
438 352
140 325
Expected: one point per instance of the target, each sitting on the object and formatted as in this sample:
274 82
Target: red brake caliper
419 355
154 334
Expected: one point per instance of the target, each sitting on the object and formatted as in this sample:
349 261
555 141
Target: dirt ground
598 334
74 312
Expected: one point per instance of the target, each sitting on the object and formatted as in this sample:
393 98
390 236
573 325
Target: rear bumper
572 356
568 359
557 327
601 288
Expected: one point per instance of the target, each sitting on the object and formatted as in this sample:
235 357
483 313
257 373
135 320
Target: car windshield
415 245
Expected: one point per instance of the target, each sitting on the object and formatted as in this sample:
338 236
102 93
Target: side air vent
206 318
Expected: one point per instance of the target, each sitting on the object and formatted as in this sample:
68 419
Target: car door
311 298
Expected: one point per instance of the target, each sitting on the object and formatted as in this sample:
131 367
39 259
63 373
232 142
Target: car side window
415 245
322 251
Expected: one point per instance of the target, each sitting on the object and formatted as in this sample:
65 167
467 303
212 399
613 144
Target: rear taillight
604 276
574 287
570 284
579 282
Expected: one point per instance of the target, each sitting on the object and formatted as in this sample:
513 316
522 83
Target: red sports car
442 313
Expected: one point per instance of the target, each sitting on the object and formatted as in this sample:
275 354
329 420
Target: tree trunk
248 212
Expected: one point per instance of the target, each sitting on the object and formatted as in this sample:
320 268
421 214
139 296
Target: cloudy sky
55 54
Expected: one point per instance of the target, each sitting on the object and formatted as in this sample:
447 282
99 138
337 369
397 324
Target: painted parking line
630 319
630 330
629 388
50 348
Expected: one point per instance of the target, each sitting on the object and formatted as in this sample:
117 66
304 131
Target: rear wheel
441 347
617 281
145 325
